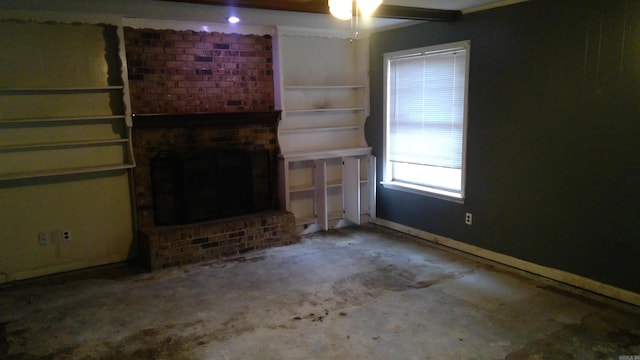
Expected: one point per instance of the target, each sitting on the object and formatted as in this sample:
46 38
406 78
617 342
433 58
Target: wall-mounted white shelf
54 90
8 122
63 131
322 87
301 188
326 153
62 144
59 172
294 111
328 128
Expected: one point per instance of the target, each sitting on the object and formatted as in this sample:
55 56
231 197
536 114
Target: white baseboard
60 268
551 273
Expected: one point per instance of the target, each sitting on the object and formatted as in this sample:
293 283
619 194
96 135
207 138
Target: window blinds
426 108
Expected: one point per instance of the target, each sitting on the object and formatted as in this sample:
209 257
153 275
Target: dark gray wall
553 161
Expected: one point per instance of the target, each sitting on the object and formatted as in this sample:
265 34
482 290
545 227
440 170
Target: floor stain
360 288
392 278
174 341
243 259
593 339
573 295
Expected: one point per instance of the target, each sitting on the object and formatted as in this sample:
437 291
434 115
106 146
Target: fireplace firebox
206 185
209 185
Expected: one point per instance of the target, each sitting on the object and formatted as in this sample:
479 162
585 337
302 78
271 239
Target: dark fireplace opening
210 184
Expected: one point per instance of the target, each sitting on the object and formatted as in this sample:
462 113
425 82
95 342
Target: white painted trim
330 33
550 273
325 154
158 24
57 269
423 190
492 5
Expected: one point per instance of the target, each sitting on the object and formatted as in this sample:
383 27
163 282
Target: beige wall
94 209
94 206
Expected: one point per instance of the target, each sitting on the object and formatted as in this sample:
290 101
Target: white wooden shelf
319 128
60 119
59 90
344 109
326 153
301 188
59 172
322 87
63 144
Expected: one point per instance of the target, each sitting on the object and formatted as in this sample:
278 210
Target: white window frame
388 181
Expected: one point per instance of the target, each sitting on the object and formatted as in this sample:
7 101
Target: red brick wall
178 72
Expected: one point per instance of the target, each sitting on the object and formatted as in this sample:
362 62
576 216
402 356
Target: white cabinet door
320 181
351 188
371 187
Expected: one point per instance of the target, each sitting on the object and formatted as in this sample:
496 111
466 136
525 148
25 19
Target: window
425 119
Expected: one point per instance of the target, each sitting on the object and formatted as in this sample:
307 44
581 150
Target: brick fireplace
195 94
157 136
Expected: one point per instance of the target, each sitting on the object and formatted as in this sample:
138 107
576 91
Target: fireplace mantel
156 121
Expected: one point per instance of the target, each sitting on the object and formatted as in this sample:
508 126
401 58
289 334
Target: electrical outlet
468 218
44 238
66 235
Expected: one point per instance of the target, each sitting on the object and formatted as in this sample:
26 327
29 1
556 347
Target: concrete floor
357 293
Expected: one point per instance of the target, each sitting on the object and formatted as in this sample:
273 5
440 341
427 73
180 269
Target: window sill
423 190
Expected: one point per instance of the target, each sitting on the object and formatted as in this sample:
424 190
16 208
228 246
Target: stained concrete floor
355 293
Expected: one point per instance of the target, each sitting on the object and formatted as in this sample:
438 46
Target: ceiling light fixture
343 10
368 7
233 19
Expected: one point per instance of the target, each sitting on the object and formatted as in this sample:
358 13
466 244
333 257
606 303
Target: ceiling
429 10
290 13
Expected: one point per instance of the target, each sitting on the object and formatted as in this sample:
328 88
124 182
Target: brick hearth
168 246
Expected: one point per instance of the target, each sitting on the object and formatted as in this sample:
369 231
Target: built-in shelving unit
326 164
65 143
88 133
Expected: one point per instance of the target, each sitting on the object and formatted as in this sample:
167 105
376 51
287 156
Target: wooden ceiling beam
311 6
321 7
414 13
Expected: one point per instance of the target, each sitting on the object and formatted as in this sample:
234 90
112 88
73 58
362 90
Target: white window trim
423 190
420 189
